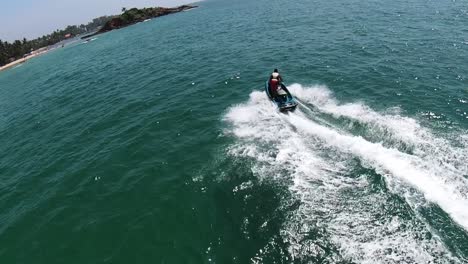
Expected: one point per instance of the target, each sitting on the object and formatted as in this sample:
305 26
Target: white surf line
408 168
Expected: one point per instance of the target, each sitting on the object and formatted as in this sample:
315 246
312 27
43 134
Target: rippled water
156 143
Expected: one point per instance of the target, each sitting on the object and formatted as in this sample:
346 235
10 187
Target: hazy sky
34 18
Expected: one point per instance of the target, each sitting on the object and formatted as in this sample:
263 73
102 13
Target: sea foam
318 160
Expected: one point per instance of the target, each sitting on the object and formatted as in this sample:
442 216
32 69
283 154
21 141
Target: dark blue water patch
452 234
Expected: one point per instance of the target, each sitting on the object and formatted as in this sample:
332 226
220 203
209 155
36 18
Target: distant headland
135 15
19 51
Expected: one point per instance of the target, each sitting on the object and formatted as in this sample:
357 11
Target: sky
34 18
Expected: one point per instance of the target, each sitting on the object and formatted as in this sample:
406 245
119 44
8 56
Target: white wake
318 160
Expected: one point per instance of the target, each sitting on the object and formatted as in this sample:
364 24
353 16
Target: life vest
274 81
273 86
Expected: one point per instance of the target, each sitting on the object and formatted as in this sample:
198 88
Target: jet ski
284 100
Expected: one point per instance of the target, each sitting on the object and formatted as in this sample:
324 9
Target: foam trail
407 167
286 151
450 153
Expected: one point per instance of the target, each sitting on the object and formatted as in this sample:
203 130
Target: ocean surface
156 143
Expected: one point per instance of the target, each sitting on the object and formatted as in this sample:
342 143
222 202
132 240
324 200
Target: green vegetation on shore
17 49
135 15
13 51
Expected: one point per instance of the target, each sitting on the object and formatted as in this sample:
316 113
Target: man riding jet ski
278 93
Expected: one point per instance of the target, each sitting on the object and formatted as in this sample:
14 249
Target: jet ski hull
286 102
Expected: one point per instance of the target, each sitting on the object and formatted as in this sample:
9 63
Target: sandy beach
22 60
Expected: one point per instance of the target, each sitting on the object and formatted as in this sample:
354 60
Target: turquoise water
156 144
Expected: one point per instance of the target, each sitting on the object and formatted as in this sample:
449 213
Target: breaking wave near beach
365 186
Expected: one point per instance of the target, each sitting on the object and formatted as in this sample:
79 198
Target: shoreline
118 23
22 60
113 24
